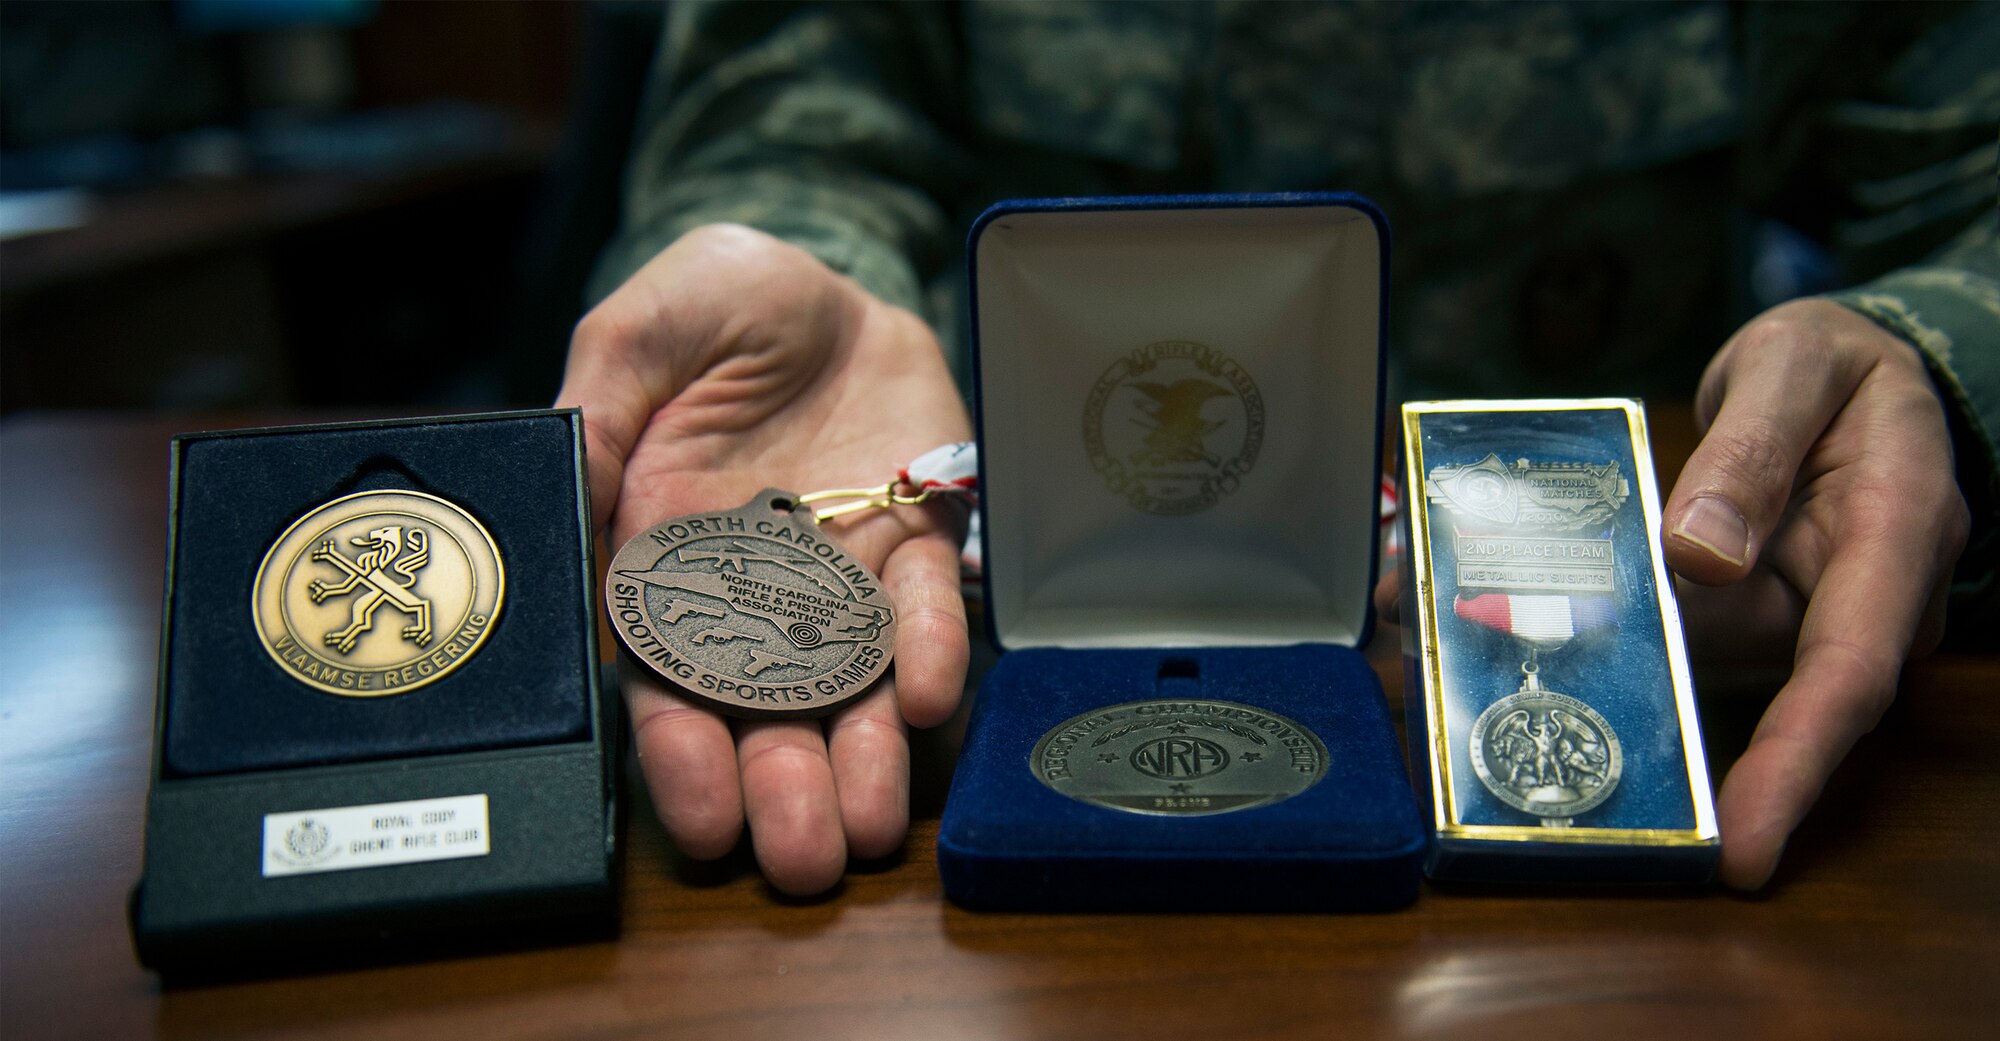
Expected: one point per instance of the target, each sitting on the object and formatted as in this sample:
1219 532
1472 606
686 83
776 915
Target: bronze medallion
1173 426
1179 757
754 610
378 593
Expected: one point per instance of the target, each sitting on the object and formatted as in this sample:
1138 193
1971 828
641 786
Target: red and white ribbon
946 469
1542 619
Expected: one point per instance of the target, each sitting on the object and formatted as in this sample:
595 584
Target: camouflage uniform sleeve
1950 311
823 125
1946 305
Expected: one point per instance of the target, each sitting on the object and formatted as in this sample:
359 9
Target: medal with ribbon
758 611
1535 563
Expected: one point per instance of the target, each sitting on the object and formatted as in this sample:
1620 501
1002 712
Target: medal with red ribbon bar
1535 562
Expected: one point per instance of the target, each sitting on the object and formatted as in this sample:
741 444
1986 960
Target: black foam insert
230 708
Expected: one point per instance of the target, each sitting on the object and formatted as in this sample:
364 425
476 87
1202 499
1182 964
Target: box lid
1179 403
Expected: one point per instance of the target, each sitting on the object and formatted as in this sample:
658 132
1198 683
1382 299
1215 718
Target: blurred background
211 204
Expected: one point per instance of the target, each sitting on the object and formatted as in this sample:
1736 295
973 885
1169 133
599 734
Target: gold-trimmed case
1451 675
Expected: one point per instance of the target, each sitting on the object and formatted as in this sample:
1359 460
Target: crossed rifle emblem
377 568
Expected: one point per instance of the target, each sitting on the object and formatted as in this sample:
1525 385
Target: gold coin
378 593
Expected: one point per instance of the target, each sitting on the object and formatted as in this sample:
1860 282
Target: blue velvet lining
230 708
1351 841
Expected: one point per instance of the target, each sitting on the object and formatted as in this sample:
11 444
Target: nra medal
1546 753
755 610
1179 758
378 593
1535 562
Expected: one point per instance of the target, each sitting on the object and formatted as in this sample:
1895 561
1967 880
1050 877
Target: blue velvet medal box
380 728
1179 406
1550 712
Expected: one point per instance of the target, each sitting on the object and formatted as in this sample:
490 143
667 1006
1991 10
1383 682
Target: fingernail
1714 525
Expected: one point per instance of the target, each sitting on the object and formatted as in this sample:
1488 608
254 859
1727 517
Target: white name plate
344 838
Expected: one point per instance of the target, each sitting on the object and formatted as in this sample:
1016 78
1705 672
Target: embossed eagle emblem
1175 427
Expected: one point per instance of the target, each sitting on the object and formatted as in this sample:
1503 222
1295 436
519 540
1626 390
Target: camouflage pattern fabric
1581 193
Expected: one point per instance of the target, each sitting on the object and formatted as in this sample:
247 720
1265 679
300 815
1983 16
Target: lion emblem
387 568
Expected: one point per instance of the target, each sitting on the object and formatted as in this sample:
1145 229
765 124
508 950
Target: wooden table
1882 922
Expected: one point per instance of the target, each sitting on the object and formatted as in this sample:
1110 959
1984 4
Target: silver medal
1179 757
1546 753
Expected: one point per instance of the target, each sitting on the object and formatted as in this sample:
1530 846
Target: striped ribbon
953 469
1539 618
1547 620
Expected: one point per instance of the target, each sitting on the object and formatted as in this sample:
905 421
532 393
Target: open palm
728 364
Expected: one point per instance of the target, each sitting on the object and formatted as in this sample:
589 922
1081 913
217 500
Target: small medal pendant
1546 753
754 611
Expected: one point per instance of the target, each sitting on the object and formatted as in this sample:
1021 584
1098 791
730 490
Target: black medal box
1546 675
380 730
1179 406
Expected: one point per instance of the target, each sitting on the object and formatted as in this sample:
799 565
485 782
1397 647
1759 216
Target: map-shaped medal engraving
1546 753
1179 758
755 610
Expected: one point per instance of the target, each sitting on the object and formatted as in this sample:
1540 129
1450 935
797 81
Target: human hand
1819 513
1822 502
730 363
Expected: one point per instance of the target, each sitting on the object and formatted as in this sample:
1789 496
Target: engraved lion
388 572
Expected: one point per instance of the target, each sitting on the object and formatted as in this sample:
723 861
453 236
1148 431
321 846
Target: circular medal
378 593
754 610
1179 758
1546 753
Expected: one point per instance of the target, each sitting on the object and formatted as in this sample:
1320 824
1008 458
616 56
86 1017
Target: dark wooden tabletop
1883 922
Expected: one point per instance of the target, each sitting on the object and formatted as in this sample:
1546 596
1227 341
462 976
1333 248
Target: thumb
1777 394
615 408
632 353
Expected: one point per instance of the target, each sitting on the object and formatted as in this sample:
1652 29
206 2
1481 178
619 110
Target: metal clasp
863 499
